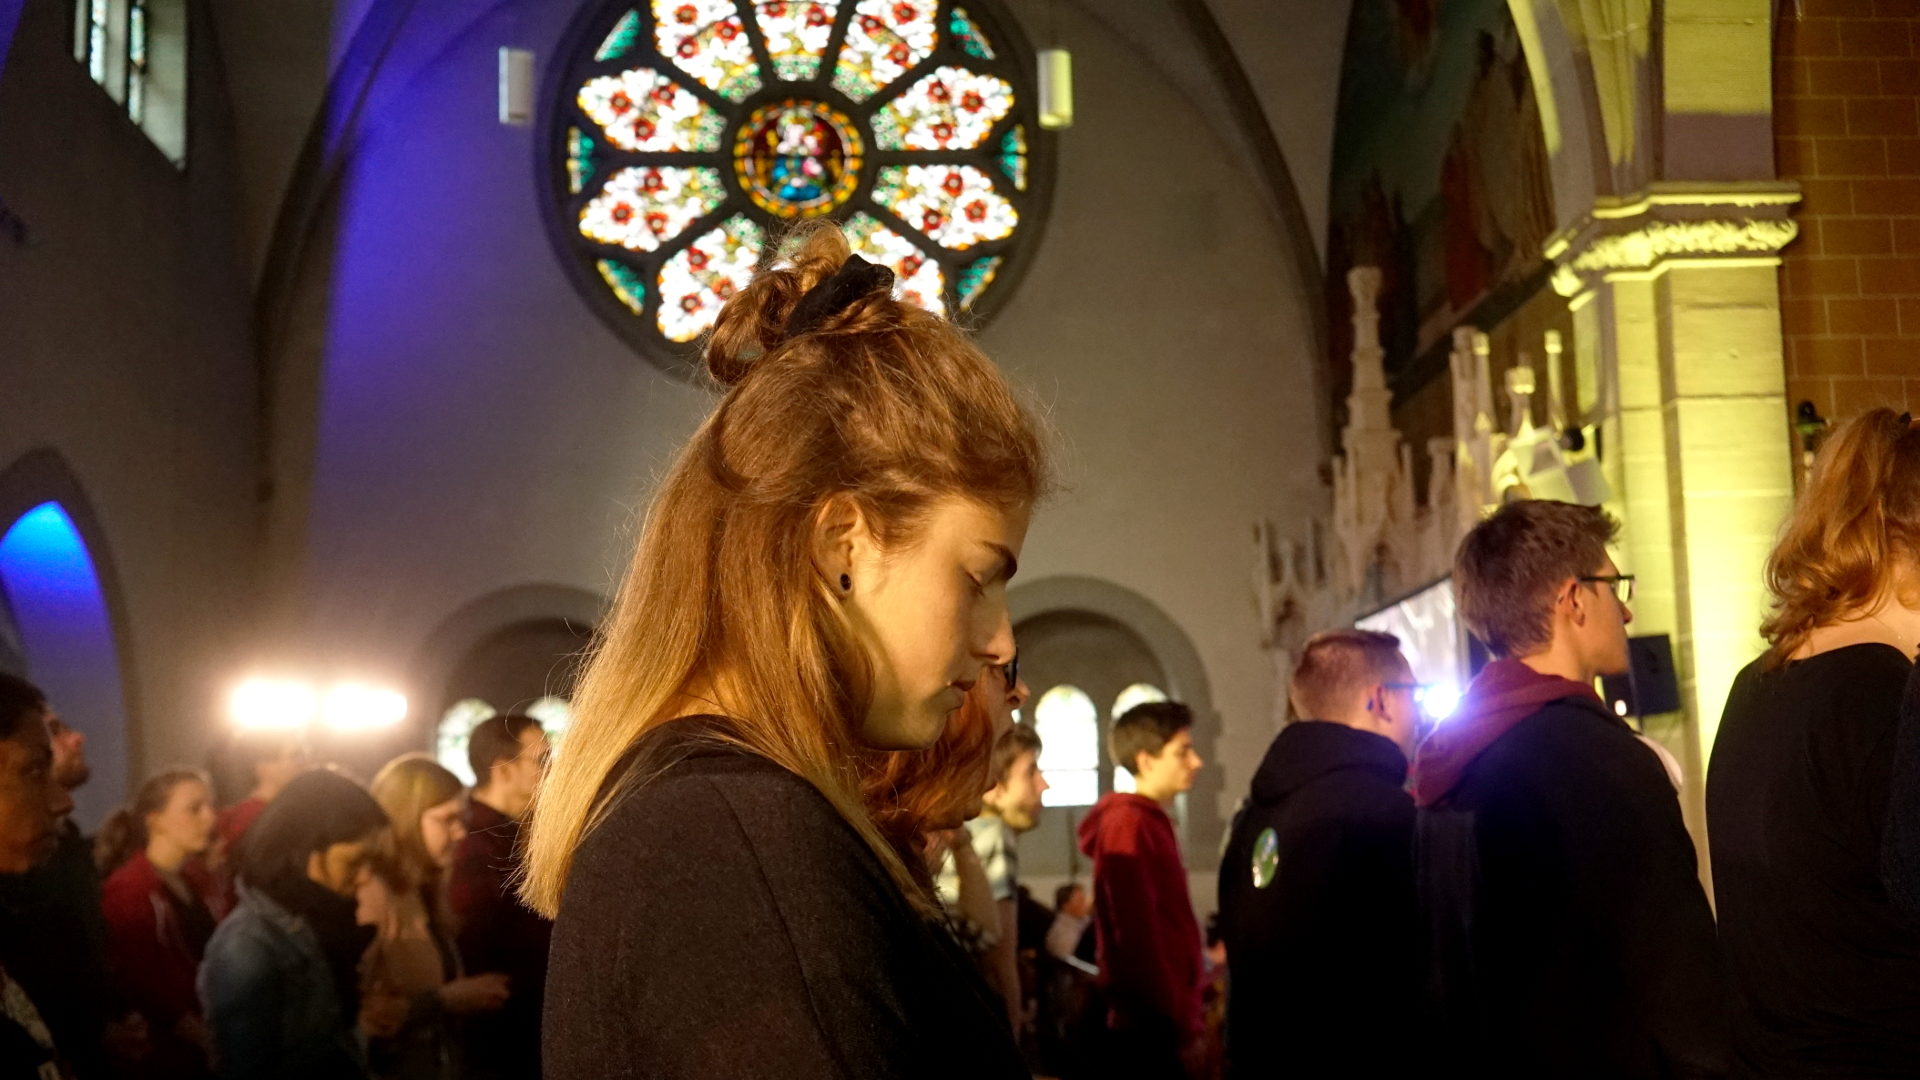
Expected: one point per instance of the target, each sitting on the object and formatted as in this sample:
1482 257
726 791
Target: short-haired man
53 937
32 803
1571 935
508 754
1011 807
1317 901
266 760
1146 937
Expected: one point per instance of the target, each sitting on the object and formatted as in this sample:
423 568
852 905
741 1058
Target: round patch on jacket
1266 858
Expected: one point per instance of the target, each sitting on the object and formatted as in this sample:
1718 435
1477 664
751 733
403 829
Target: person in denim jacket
280 981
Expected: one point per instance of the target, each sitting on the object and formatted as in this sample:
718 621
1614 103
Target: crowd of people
782 838
317 927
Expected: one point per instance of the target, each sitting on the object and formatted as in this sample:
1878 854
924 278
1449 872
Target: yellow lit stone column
1680 293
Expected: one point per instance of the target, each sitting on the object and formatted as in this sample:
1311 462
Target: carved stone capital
1673 223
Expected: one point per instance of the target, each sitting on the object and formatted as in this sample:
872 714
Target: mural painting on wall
1440 175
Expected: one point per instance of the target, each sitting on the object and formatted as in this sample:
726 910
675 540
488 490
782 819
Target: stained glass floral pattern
619 40
1013 156
707 39
961 28
625 283
705 274
644 111
975 279
672 168
642 208
955 205
580 157
796 32
919 279
950 109
886 38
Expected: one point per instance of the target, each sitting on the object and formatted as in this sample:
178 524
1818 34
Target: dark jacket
53 941
157 939
1571 937
272 996
498 933
1146 937
1317 909
725 921
1826 970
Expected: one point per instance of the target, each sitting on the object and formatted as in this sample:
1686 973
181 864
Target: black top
725 921
53 941
1317 908
1571 934
1827 973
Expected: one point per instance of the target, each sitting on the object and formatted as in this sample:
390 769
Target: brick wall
1847 127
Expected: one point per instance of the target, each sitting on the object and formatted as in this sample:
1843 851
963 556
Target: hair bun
754 322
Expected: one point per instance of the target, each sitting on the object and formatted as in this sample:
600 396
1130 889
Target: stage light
358 707
1440 700
272 704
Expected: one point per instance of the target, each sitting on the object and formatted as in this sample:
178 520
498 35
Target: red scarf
1503 694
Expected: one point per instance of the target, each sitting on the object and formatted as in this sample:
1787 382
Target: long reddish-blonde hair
914 793
1856 524
885 405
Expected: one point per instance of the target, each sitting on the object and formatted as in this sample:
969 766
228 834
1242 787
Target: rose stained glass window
685 136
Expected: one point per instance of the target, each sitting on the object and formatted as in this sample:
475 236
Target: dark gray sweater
726 921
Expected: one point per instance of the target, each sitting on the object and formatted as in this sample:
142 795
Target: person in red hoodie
1146 938
1570 935
159 912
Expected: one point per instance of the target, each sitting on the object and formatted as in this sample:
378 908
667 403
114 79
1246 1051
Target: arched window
450 738
682 135
1069 729
57 607
555 715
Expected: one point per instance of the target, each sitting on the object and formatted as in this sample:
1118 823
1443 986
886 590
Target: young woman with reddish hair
1826 970
822 576
160 912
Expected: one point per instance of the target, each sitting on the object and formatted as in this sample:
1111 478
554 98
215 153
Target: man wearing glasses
1570 933
1316 884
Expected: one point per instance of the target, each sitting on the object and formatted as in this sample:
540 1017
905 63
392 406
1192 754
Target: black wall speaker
1650 686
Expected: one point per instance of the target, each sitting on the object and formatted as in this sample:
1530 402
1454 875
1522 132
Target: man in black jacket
1316 885
1570 934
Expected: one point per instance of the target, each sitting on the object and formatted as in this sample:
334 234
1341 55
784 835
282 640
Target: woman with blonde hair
822 575
404 899
1826 971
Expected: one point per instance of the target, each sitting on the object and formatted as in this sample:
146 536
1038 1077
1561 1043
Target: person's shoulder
1550 751
1359 796
128 885
719 806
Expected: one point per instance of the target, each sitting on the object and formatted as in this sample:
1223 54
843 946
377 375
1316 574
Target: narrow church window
685 136
1069 728
136 50
137 60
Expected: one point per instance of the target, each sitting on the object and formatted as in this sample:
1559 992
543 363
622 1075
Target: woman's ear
840 538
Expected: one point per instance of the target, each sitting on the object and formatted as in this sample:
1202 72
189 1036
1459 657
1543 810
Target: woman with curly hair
1826 969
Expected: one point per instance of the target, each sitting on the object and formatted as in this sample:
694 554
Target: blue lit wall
66 635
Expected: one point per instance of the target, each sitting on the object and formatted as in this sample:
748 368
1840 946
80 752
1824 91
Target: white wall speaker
516 86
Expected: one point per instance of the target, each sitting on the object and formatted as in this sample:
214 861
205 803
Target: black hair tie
856 280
